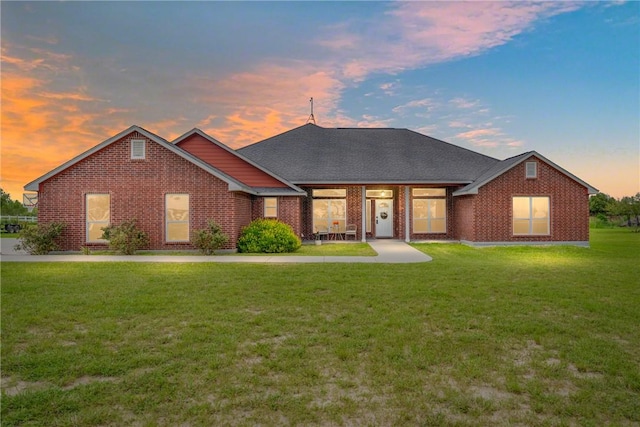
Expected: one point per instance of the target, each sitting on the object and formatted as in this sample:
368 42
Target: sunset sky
561 78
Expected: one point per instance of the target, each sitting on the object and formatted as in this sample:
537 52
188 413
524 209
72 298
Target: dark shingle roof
312 154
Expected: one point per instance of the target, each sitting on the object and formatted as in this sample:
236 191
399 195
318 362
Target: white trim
407 216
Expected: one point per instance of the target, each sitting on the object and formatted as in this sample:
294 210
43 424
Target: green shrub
125 238
268 236
209 239
40 239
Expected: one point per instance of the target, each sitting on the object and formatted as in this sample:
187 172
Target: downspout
407 217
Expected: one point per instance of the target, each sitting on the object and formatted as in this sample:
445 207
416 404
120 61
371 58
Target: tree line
609 209
10 207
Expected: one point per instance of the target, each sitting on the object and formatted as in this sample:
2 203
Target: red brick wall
289 211
137 189
464 219
492 216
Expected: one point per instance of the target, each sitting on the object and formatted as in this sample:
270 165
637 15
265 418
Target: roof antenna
311 118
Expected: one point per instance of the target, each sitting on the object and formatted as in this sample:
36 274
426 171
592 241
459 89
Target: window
379 194
531 216
177 217
98 216
270 207
329 192
329 214
531 170
429 210
137 149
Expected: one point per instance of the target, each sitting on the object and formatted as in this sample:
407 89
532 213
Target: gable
152 140
228 162
516 167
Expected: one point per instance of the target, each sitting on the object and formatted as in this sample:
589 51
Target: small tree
209 239
40 239
125 238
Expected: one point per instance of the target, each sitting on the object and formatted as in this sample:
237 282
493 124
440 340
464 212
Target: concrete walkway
389 251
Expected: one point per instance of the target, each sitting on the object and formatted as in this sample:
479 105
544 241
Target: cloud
426 104
415 34
266 100
464 103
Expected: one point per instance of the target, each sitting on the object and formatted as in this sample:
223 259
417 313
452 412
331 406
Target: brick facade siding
137 189
487 216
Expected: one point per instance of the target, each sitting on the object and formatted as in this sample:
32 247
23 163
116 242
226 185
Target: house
386 183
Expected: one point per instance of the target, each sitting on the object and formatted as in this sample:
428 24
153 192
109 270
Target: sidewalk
389 252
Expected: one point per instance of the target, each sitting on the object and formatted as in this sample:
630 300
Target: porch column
407 217
363 226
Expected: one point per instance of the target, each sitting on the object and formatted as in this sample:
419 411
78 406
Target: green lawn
543 336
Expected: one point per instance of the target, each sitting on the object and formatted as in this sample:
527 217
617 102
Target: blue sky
501 78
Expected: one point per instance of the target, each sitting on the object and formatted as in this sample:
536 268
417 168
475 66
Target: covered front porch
358 212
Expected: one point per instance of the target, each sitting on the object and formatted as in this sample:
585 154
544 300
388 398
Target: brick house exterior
308 176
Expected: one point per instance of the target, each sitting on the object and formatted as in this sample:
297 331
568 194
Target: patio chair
320 233
351 230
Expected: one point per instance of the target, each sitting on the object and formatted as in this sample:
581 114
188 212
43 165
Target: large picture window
177 217
531 216
330 215
98 216
429 210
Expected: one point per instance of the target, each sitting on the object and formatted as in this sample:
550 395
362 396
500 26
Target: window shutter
532 170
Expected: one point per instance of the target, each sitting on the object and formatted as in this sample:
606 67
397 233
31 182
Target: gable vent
532 170
137 149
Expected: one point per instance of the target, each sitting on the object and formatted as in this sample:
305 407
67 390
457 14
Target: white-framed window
531 170
270 207
531 216
329 192
429 210
98 216
379 194
177 217
138 149
330 215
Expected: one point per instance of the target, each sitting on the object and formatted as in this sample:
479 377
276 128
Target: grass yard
493 336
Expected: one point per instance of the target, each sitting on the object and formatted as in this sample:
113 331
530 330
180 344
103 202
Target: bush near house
268 236
125 238
40 239
209 239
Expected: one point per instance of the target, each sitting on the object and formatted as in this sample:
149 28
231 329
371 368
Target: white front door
384 217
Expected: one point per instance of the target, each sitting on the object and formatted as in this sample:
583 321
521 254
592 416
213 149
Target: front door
384 217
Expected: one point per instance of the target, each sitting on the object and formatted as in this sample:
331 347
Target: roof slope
311 155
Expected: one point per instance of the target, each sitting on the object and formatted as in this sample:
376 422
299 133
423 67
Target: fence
15 219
